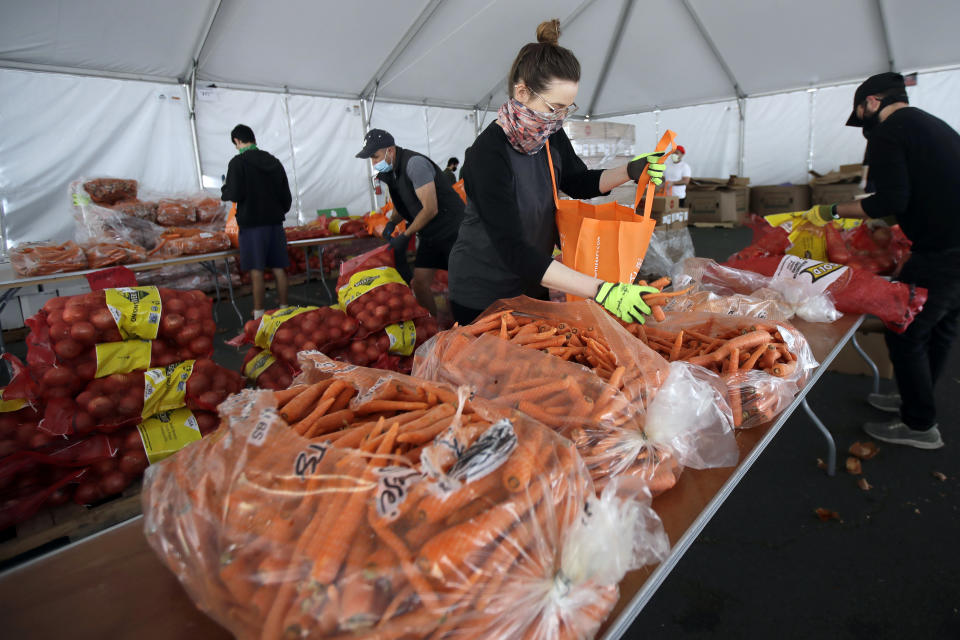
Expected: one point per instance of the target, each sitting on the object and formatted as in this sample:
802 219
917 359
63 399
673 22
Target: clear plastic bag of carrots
44 258
279 535
575 369
763 363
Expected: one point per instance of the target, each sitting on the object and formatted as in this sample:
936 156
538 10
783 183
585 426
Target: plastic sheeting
55 128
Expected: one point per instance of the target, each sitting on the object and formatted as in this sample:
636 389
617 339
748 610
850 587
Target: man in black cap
450 173
423 197
914 167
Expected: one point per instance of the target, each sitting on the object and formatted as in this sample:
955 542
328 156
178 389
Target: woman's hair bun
549 32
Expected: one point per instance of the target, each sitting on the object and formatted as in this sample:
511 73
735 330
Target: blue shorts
263 248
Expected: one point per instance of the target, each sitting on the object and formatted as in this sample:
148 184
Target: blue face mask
383 166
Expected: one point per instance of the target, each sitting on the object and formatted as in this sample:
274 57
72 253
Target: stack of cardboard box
837 186
768 199
718 200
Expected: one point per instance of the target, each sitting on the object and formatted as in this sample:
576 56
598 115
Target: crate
67 523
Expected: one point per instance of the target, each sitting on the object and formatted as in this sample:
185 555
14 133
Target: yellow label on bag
258 364
166 433
165 388
808 241
136 311
363 281
270 322
335 224
6 406
403 337
122 357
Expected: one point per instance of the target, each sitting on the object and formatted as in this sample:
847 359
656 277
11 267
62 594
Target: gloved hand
650 162
821 214
624 300
388 230
399 242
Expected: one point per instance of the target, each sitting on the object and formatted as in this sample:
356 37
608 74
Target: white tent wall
450 132
939 93
327 133
777 138
710 133
56 128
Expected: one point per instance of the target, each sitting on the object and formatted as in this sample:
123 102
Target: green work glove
625 300
821 214
650 162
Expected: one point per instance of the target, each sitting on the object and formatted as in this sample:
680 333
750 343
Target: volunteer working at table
422 196
678 172
914 168
257 182
509 231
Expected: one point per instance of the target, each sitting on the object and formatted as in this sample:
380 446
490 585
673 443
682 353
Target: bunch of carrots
731 350
183 241
331 529
600 409
104 254
44 258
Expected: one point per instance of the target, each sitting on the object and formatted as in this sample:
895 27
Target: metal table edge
626 618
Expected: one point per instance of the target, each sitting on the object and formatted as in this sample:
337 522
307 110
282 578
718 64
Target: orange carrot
303 403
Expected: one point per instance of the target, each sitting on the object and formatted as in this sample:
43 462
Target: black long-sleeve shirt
509 230
257 182
915 168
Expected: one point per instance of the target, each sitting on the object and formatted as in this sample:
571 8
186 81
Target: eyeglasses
559 112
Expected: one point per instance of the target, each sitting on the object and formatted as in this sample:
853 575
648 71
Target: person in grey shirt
422 196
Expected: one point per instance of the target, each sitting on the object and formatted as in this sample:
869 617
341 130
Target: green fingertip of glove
625 301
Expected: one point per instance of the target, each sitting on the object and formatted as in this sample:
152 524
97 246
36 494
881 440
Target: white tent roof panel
331 47
923 33
662 61
771 45
137 37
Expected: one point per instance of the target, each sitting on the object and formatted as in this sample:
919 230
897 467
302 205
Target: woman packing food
509 230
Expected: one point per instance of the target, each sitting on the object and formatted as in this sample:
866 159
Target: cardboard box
738 181
665 204
672 220
830 193
849 361
717 206
765 200
846 173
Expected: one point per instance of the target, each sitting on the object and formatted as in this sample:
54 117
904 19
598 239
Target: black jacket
258 184
446 224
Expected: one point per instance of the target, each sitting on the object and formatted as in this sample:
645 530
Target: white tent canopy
758 86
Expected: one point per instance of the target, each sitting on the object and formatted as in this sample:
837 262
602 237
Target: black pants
464 315
920 353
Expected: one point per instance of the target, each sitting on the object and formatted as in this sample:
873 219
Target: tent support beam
371 188
293 157
405 41
614 45
373 103
89 73
202 42
488 96
885 32
192 103
713 47
741 134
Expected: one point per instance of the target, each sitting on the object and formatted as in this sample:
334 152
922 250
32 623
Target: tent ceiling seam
91 73
713 47
204 35
617 37
405 41
885 32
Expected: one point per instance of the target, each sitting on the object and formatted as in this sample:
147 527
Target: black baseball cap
375 140
871 87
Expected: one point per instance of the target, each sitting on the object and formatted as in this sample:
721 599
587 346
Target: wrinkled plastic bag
274 535
44 258
757 396
667 248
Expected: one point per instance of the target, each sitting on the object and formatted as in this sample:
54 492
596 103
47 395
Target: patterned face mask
526 129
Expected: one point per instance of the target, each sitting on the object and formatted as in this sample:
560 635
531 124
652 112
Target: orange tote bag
607 241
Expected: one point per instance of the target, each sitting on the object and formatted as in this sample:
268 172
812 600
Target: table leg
306 257
4 299
323 276
233 300
870 363
831 445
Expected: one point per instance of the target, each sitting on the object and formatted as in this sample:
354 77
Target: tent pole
207 28
741 136
365 123
885 32
373 103
293 157
192 103
810 141
398 50
713 47
615 39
